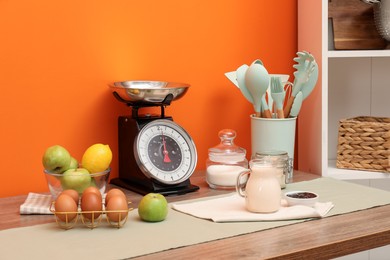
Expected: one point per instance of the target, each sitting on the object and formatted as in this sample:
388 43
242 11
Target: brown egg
117 203
93 190
74 194
113 193
90 201
65 203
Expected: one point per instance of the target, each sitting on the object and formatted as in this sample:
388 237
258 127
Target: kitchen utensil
265 108
268 134
257 82
232 77
257 61
155 154
302 74
287 90
311 82
240 74
277 93
296 106
284 78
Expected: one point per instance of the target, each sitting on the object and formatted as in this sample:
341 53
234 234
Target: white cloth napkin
36 203
232 209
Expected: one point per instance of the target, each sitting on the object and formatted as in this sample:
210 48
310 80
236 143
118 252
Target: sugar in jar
225 162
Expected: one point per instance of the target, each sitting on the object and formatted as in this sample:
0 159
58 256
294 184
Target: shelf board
358 53
345 174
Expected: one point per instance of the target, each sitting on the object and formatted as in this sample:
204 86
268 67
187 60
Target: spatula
302 74
311 82
232 77
240 74
257 81
265 108
296 106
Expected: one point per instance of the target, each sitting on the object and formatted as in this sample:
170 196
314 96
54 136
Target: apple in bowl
56 159
77 179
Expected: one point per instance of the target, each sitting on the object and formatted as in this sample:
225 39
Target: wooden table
318 239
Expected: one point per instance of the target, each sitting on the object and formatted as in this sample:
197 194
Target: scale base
182 188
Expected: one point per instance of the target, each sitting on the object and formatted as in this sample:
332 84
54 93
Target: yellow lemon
97 158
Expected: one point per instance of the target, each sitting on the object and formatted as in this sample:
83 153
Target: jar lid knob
227 136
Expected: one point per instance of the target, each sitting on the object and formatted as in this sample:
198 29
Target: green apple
74 164
76 179
56 159
153 207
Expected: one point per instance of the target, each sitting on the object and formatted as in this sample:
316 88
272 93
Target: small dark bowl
306 198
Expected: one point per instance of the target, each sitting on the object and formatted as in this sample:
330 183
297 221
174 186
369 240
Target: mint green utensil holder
270 134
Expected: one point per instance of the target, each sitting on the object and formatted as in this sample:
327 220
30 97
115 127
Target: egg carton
68 220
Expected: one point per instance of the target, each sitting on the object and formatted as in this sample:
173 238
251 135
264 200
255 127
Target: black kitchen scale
155 154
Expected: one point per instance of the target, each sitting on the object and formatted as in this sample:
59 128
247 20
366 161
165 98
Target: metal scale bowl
155 154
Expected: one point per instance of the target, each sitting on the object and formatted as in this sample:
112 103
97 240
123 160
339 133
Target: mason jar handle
239 184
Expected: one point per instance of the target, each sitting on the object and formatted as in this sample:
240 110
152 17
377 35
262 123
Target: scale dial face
164 151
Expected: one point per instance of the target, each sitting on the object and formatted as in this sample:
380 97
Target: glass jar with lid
281 161
225 162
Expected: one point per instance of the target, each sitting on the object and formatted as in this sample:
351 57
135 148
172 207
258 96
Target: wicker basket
364 144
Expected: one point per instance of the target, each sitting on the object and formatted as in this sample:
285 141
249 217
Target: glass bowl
305 198
57 182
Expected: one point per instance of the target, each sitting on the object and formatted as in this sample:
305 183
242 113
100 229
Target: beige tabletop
321 239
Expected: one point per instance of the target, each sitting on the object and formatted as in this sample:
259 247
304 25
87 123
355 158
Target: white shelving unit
354 54
351 83
352 175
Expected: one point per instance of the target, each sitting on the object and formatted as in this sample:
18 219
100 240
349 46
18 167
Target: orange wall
56 59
